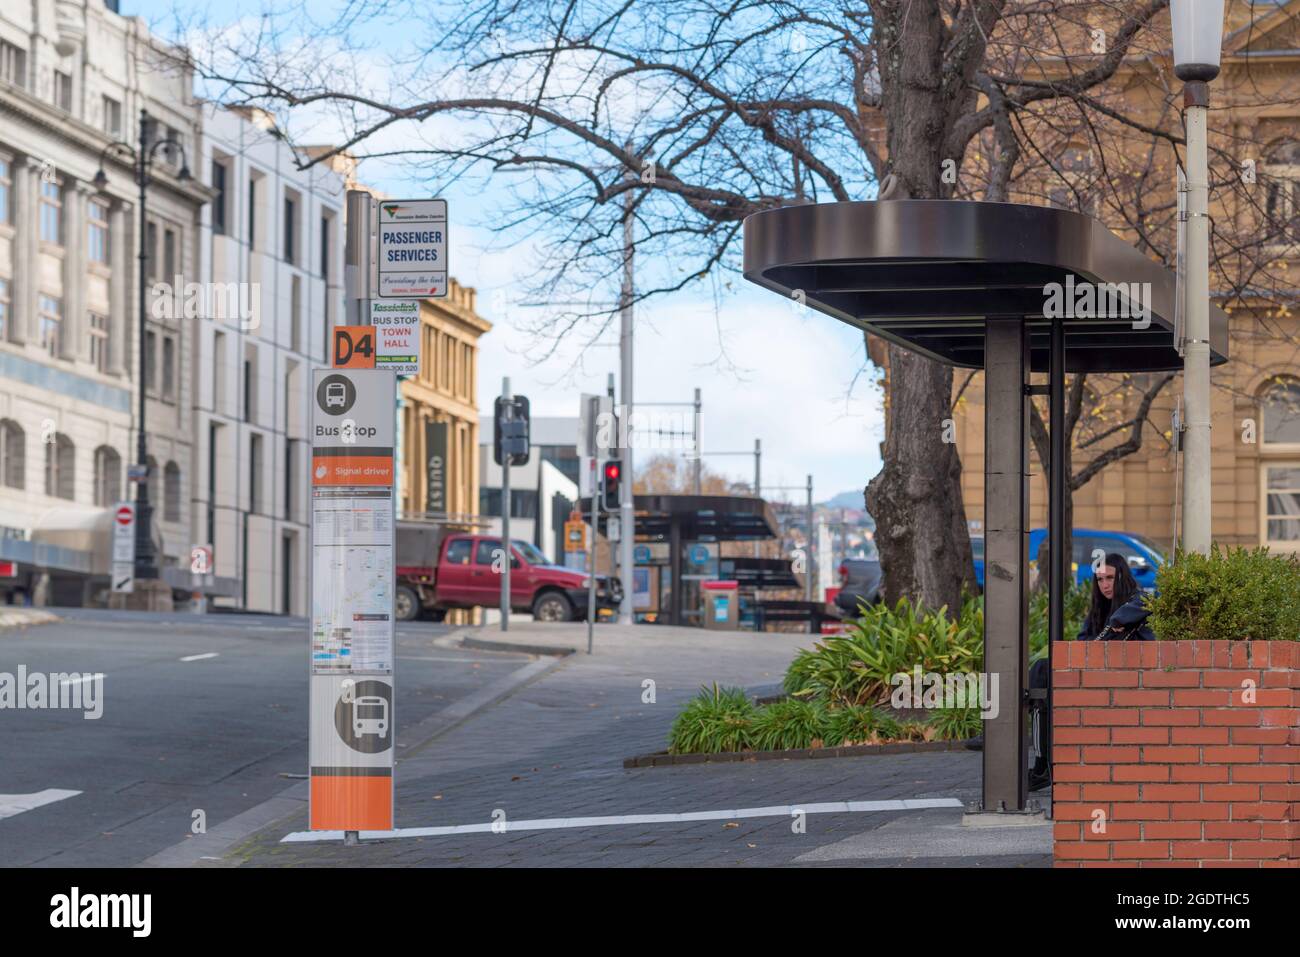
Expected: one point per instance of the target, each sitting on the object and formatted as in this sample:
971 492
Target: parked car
437 571
860 582
1144 556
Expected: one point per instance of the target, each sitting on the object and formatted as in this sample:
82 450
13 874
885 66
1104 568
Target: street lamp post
142 158
1198 42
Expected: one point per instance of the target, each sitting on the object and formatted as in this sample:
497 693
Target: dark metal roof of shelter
723 518
760 573
926 273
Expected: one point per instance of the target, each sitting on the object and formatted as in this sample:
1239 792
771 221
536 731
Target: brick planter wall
1163 760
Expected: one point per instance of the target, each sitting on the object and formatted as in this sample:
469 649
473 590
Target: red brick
1081 697
1199 736
1274 698
1260 735
1281 718
1262 772
1245 850
1064 754
1239 657
1110 792
1280 754
1232 830
1120 735
1140 772
1228 716
1200 811
1064 792
1146 811
1231 755
1100 755
1228 679
1201 850
1171 792
1181 755
1124 697
1099 774
1109 678
1082 735
1171 679
1163 717
1067 831
1200 772
1152 850
1203 657
1065 679
1182 831
1095 852
1261 811
1168 864
1074 812
1279 830
1168 655
1064 717
1110 716
1114 831
1231 792
1200 698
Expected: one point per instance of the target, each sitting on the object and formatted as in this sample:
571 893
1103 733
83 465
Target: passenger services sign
411 259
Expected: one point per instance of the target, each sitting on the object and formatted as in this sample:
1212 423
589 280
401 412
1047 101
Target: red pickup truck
437 571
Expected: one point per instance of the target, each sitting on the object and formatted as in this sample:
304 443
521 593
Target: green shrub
957 724
715 720
1230 594
1076 609
789 723
858 724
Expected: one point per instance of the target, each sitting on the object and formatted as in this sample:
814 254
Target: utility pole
695 433
808 579
506 459
627 509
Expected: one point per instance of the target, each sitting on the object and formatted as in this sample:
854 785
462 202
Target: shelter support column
1006 569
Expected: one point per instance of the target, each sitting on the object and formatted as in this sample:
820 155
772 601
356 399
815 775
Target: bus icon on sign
335 394
370 716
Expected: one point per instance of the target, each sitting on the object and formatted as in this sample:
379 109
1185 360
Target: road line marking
210 654
82 680
461 660
555 823
11 804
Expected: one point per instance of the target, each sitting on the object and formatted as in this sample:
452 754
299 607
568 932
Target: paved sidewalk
554 749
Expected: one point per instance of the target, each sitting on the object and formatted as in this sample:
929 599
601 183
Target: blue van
1144 557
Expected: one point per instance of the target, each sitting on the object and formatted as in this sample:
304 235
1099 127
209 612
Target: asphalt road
218 733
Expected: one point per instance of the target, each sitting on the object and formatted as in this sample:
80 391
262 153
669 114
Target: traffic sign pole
506 459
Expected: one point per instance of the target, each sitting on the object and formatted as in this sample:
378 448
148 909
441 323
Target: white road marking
210 654
555 823
435 658
11 804
82 680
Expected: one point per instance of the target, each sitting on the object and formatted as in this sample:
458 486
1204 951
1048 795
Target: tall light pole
1198 43
627 507
142 158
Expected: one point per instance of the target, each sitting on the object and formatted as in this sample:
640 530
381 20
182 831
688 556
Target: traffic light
510 430
609 486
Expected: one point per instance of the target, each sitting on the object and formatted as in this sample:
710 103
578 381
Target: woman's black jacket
1128 622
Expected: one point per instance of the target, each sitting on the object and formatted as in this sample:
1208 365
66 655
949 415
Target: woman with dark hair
1118 610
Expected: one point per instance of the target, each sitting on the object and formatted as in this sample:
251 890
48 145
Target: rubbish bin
721 600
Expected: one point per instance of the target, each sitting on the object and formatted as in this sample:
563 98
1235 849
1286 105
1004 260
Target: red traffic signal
609 486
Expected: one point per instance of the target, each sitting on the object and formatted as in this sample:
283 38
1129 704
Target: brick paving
555 749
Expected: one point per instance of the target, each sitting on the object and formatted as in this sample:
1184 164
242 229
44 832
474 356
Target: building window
97 231
4 309
150 361
112 117
290 476
51 212
51 321
219 200
108 476
290 230
254 473
172 493
1282 510
155 481
218 372
169 255
250 383
252 213
295 313
6 189
13 454
63 91
1280 404
98 332
326 227
60 467
13 64
1281 179
169 367
151 250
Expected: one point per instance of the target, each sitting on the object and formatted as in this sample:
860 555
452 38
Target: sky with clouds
767 369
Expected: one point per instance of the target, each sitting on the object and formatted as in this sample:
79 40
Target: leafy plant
789 723
1230 594
1076 609
858 724
715 720
957 724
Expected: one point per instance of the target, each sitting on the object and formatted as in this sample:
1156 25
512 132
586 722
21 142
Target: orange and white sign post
352 588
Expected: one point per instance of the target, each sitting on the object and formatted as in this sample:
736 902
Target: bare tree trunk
921 528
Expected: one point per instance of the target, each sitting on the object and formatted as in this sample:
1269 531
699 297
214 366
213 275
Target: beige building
438 414
1256 403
